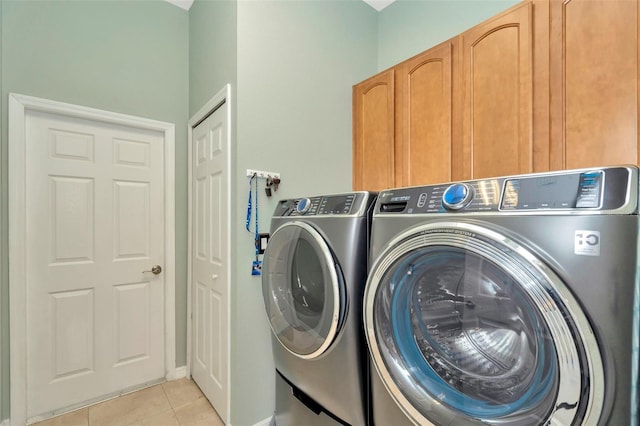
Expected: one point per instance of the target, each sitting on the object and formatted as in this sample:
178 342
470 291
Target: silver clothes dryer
510 301
314 273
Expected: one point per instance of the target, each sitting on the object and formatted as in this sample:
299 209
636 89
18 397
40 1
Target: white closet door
209 270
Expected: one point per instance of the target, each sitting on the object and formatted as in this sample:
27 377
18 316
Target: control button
457 196
303 205
422 199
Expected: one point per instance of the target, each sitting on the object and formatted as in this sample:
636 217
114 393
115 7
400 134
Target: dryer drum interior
465 324
304 290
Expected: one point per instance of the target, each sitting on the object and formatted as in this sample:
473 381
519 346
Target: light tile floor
175 403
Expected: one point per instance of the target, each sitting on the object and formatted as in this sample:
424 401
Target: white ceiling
183 4
376 4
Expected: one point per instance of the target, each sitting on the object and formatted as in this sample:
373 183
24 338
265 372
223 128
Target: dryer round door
303 290
466 326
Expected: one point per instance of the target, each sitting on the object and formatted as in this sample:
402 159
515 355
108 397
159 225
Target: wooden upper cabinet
497 111
594 83
373 133
487 104
424 95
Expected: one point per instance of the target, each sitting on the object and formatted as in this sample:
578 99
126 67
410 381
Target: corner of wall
4 384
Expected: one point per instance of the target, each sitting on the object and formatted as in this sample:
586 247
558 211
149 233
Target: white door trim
223 96
18 106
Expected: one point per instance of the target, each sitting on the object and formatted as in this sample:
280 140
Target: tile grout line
173 410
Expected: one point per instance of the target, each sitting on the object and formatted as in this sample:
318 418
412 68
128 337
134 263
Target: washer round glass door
303 290
465 326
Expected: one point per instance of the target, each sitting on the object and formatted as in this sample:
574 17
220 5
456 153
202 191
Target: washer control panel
608 188
339 204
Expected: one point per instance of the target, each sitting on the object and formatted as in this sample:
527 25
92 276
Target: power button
303 205
457 196
422 200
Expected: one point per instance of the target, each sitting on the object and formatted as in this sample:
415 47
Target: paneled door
95 229
210 259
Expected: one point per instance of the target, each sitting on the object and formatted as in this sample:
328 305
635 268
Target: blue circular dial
457 196
303 205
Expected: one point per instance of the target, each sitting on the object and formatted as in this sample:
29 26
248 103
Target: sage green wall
212 50
408 27
4 323
297 63
125 56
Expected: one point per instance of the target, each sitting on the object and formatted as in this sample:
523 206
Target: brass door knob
155 270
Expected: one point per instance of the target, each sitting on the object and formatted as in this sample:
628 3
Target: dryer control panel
324 205
601 189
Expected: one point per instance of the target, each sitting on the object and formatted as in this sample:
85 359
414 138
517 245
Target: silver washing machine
314 273
509 301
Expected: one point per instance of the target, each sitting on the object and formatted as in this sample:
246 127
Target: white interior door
94 223
210 257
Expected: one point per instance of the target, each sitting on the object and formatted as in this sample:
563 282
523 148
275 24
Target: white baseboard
181 372
265 422
177 373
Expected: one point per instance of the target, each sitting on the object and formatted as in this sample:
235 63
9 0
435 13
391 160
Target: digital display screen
553 192
336 204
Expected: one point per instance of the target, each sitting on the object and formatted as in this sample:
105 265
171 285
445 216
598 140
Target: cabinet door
423 128
594 83
497 107
373 133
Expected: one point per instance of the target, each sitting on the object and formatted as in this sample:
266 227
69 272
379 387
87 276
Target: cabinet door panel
424 100
594 53
373 133
497 110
